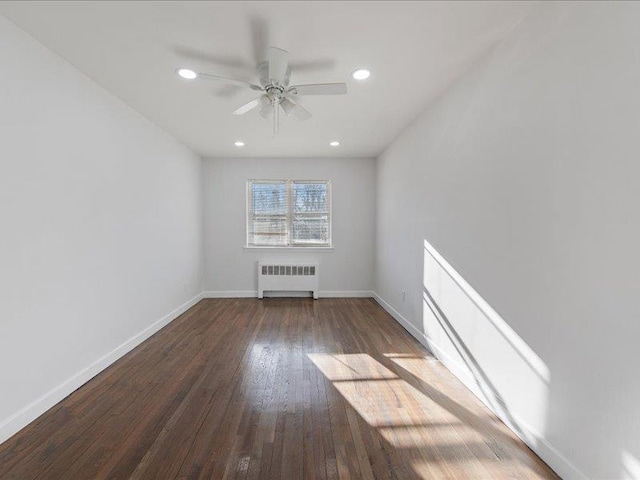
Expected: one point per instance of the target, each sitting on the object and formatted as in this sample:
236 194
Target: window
288 213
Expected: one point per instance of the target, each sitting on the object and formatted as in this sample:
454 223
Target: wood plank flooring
272 389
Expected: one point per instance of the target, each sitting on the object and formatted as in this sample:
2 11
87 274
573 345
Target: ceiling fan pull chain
275 116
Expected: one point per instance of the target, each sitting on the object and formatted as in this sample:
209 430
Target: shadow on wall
475 343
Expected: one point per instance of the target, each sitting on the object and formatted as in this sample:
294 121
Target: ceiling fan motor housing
275 92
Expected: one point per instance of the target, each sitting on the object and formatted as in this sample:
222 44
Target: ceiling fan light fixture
238 143
287 105
361 74
266 112
334 143
187 74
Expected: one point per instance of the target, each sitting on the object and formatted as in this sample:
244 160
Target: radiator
288 277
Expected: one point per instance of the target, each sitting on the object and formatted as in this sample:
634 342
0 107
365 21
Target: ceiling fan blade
287 105
247 107
266 110
319 89
232 81
278 63
295 109
301 113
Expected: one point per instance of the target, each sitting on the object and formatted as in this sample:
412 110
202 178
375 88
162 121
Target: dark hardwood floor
270 389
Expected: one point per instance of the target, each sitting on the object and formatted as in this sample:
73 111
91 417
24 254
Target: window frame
290 215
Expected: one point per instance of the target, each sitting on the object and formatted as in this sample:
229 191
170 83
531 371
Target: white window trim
312 249
319 247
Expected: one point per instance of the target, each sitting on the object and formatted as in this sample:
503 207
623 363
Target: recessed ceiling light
361 74
334 144
239 143
188 74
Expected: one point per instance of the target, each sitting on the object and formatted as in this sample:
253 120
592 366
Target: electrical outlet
404 295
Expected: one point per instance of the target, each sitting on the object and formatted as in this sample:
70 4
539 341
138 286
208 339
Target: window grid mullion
289 216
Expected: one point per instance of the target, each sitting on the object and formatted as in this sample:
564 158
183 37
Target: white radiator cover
287 277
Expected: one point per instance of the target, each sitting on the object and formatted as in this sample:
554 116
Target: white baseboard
345 294
321 294
16 422
408 326
230 294
556 460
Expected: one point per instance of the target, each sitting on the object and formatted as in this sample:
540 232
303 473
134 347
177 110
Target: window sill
291 249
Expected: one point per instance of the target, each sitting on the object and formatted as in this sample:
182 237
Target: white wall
100 219
229 268
525 177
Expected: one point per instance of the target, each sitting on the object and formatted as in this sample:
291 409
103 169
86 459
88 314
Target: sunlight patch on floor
403 415
355 366
435 375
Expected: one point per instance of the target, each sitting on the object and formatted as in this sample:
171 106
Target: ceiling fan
276 92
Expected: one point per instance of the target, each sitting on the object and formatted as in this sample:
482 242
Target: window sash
324 222
290 216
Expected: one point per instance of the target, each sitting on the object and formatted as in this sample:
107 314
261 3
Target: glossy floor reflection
272 389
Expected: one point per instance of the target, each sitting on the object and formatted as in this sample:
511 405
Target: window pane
311 229
310 198
268 231
269 198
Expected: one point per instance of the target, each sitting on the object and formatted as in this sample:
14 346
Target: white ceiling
413 49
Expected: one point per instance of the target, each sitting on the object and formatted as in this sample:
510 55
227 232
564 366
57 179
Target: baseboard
16 422
532 438
554 458
408 326
321 294
345 294
230 294
558 462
